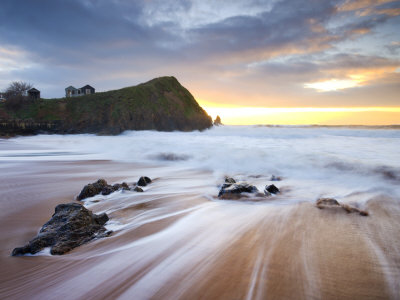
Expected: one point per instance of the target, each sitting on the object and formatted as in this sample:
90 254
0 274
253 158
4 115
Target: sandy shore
173 242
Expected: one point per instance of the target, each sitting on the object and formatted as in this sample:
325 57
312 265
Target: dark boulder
271 189
236 190
70 226
92 189
143 181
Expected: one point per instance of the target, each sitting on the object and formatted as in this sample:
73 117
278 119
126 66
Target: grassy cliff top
162 104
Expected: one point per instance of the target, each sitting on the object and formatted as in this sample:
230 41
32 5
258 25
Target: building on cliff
33 94
74 92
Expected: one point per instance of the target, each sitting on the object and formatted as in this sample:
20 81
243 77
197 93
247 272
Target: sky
250 61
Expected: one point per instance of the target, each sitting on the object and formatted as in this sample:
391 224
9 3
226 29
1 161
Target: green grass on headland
160 104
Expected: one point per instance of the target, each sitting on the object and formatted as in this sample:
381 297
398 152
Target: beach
177 240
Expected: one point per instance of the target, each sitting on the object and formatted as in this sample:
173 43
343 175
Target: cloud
246 49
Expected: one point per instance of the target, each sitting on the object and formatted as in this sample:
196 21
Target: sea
178 240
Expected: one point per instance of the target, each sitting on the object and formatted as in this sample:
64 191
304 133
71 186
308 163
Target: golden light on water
306 115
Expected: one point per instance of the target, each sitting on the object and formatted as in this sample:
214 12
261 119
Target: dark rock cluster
70 226
102 187
236 190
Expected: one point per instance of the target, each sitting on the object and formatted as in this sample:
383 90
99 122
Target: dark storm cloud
74 31
80 30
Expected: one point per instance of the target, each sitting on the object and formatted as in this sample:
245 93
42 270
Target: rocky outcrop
70 226
93 189
12 127
235 190
217 121
333 203
101 187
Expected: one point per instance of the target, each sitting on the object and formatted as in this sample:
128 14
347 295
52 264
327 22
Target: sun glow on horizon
306 115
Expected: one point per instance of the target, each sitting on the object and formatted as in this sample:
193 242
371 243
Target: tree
18 88
16 94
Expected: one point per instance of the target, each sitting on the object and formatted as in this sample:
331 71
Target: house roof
71 88
33 90
87 87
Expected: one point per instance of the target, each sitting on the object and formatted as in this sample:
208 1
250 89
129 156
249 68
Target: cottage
87 89
74 92
34 94
71 92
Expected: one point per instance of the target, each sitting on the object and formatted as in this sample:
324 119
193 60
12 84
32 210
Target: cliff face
160 104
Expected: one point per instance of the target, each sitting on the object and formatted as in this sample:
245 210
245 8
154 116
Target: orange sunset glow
306 116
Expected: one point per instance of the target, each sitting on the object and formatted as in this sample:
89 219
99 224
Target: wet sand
175 242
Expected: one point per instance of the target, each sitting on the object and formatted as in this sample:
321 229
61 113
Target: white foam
330 162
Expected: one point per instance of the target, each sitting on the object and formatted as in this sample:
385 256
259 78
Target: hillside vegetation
160 104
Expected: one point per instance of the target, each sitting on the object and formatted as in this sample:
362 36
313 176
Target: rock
138 189
101 186
217 121
70 226
351 209
271 189
331 203
143 181
229 180
275 178
101 219
92 189
235 190
107 190
119 186
326 202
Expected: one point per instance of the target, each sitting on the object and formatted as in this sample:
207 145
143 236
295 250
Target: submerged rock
332 203
326 202
236 190
275 178
70 226
143 181
138 189
271 189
